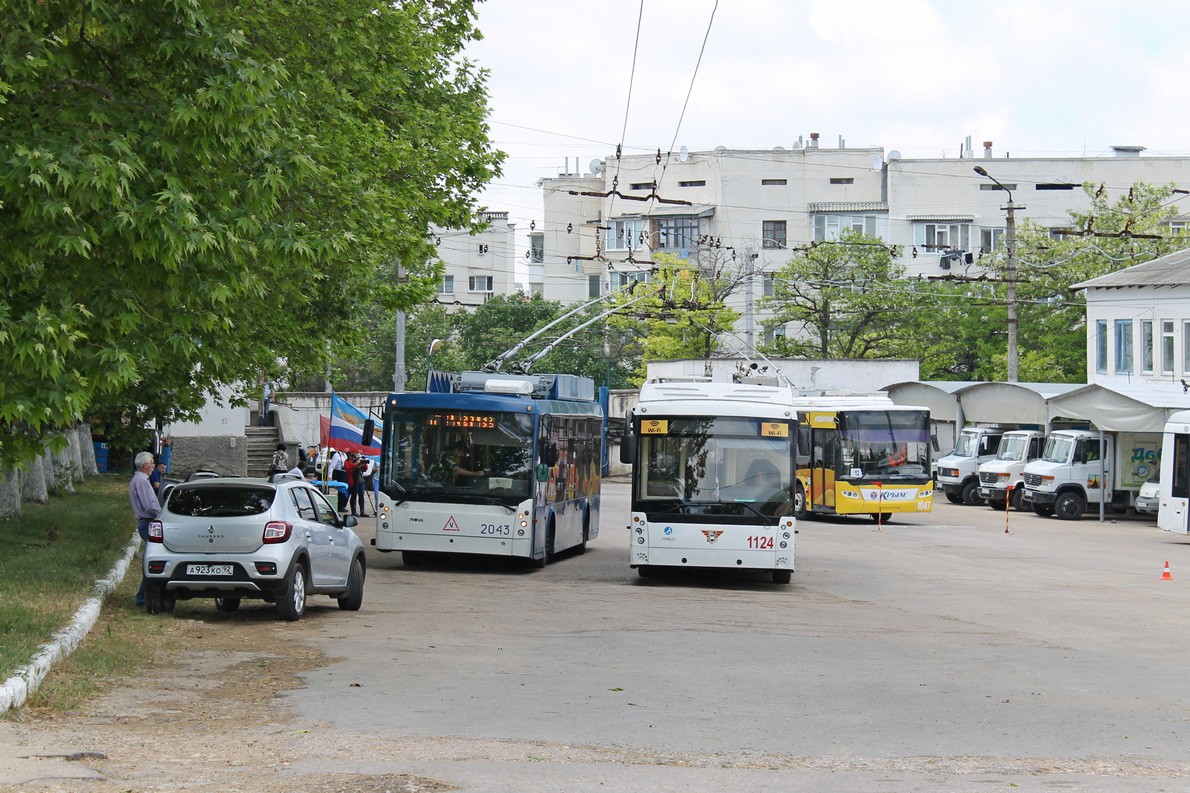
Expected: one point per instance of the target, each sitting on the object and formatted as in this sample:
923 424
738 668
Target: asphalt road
941 650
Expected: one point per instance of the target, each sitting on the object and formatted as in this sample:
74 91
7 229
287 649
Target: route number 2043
503 529
761 543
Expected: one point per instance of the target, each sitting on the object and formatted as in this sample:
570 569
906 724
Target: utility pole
399 378
1009 277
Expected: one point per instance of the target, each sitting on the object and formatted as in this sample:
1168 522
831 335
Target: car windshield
1058 449
441 455
968 444
220 501
1012 447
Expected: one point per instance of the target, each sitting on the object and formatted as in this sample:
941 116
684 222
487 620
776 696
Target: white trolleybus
712 468
495 464
1173 510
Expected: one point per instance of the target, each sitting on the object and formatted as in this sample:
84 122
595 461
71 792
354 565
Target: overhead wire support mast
497 362
523 367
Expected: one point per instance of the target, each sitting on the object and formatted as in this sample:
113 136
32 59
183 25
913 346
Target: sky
572 79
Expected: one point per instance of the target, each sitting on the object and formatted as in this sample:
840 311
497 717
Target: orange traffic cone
1166 576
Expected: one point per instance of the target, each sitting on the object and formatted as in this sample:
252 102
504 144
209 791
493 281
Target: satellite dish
894 155
596 166
877 163
720 149
683 154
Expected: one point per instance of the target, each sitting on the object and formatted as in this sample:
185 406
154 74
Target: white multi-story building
478 266
1138 323
602 228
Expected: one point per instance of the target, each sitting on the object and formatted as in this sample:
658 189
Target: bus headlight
786 536
640 540
784 544
640 530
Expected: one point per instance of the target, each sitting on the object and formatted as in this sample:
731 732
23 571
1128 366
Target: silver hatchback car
232 538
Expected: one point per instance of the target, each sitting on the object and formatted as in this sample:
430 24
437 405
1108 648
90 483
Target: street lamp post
1009 277
433 348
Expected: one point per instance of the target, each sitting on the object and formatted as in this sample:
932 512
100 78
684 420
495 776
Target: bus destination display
466 421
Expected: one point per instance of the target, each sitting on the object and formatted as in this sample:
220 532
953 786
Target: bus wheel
799 502
971 495
881 517
644 571
549 543
782 576
1069 506
410 558
582 546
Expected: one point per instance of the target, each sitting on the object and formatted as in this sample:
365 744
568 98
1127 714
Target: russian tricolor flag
344 430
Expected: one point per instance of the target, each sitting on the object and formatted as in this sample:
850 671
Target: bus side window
1180 487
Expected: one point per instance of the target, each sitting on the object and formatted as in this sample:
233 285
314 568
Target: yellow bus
862 457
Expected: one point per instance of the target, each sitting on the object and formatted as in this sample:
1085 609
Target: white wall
1139 304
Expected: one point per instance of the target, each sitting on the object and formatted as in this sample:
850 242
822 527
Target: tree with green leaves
844 298
195 191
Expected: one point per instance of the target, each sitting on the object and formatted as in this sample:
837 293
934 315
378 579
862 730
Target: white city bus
712 473
1173 514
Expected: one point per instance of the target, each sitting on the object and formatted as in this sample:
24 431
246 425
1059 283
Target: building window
537 248
1055 186
593 287
775 182
1167 346
625 235
828 227
985 186
772 234
693 183
1101 345
1124 346
767 289
774 333
479 283
621 280
677 233
447 287
990 240
937 237
1186 347
1178 226
641 186
1146 345
842 180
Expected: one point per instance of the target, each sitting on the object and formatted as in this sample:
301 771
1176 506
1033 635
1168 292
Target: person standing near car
339 474
144 505
355 485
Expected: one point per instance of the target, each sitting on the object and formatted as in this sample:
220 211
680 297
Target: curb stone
26 680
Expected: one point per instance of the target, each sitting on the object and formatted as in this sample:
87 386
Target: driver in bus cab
458 473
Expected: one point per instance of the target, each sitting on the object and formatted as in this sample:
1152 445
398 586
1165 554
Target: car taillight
156 530
277 531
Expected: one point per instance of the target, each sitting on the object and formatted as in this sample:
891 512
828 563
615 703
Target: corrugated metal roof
942 218
1173 269
848 206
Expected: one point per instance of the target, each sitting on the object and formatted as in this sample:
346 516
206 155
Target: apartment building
601 228
478 266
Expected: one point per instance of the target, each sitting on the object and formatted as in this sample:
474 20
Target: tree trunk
33 482
74 454
64 470
52 485
10 494
87 450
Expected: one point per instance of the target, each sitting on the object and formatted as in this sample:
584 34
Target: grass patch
50 559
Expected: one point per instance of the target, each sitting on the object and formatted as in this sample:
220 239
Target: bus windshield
885 444
714 466
463 456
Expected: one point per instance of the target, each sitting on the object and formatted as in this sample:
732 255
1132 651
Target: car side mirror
350 521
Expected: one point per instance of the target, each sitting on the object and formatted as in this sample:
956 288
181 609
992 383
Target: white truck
1007 469
1078 469
958 472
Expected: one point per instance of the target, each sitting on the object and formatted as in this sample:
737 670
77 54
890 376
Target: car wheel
1017 499
291 600
954 498
1044 510
799 502
971 495
997 505
227 603
782 576
156 599
1069 506
354 598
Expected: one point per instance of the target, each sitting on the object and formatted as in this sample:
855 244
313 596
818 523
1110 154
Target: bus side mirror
369 431
549 455
628 449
